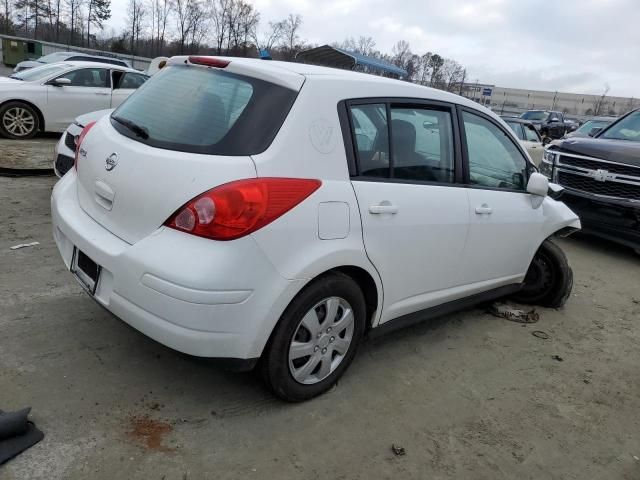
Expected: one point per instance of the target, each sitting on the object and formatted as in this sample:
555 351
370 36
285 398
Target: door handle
101 93
378 209
484 209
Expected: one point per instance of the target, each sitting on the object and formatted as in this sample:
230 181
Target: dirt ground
470 396
34 153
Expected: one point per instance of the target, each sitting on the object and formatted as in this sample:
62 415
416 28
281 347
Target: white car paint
63 147
59 105
421 244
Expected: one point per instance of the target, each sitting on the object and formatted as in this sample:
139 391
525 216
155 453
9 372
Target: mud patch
150 433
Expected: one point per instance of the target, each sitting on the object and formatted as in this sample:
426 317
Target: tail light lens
79 140
239 208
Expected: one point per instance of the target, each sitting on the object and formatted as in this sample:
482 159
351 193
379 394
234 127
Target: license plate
85 270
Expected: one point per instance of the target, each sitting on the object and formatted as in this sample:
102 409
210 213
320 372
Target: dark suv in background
550 124
601 177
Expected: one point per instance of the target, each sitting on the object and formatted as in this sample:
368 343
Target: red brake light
79 140
209 61
239 208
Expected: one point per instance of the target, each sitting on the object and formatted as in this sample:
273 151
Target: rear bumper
197 296
618 221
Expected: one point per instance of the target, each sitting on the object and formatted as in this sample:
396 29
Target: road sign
486 92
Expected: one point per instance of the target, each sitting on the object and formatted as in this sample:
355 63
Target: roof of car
82 63
329 73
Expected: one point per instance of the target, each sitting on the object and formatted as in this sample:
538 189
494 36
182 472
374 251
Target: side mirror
538 186
61 82
595 131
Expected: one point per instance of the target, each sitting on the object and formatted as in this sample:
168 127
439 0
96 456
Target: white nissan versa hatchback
273 213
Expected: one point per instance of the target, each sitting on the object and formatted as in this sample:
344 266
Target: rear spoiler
250 67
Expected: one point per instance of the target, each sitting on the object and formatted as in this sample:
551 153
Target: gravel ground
467 396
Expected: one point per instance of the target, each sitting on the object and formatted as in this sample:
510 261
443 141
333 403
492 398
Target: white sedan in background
49 98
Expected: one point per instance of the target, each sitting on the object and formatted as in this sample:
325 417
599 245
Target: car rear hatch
188 129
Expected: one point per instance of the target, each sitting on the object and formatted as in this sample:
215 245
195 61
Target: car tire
304 359
18 121
549 280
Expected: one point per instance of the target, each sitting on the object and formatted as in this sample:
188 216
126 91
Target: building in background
514 101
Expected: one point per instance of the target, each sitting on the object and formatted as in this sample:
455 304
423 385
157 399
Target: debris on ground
513 314
557 357
397 450
540 334
23 245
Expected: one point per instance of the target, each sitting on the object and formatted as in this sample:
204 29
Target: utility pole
553 105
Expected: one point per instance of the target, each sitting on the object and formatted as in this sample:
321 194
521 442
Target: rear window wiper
141 132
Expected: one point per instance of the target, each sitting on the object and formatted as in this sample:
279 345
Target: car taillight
79 140
209 61
239 208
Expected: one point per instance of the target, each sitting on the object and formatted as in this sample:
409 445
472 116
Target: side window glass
371 138
517 129
132 80
531 134
422 144
494 161
88 77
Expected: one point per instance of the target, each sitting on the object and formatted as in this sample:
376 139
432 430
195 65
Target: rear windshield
193 109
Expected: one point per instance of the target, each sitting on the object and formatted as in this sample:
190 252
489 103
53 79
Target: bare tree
220 12
600 102
161 11
290 37
73 7
136 16
270 37
98 11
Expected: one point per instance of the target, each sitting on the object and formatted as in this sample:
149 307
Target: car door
125 83
89 90
414 212
504 230
533 143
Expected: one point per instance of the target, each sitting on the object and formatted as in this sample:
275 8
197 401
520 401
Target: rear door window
531 134
210 111
422 144
517 129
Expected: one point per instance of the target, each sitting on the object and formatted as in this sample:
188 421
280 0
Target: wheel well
367 284
36 109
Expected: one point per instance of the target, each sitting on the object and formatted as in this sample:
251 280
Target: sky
574 46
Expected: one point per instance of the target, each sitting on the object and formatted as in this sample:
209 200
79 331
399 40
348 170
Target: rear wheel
316 338
549 279
18 121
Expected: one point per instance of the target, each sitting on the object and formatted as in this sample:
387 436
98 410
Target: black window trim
406 102
465 152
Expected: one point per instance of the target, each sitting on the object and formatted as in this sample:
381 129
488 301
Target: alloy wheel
18 121
321 340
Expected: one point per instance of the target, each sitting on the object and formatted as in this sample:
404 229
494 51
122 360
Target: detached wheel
316 338
18 121
549 280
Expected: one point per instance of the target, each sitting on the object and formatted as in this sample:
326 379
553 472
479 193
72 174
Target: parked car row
69 57
600 172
